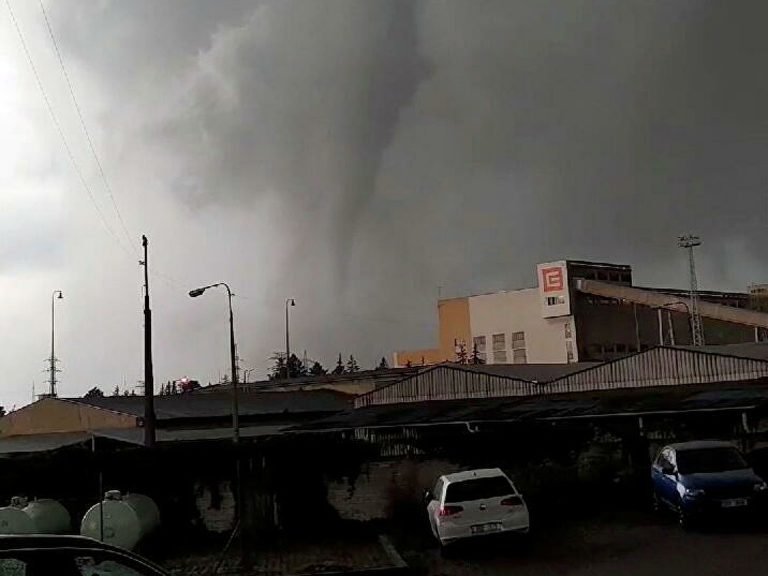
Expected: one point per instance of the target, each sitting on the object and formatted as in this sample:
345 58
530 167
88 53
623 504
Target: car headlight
760 487
694 492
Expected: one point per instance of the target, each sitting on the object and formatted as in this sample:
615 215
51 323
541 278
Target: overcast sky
357 155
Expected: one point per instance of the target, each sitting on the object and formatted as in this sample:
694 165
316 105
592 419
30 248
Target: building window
555 300
567 328
518 340
499 356
499 342
519 356
479 345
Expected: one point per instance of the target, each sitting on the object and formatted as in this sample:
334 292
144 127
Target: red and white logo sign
552 279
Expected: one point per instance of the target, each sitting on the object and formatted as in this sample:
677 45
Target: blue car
705 479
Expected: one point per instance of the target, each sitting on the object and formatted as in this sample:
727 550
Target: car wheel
685 520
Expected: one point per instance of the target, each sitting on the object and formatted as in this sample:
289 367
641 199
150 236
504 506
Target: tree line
297 368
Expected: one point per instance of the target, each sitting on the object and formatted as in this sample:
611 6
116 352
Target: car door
433 506
668 481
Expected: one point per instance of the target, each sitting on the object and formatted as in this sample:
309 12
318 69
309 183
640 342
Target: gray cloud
357 155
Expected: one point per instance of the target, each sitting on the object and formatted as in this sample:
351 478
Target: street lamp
288 303
235 404
55 295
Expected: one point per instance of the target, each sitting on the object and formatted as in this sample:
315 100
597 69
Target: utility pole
689 242
56 294
149 378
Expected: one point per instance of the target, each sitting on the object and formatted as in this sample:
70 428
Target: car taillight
449 510
512 501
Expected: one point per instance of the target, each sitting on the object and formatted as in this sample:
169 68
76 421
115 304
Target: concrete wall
520 311
54 415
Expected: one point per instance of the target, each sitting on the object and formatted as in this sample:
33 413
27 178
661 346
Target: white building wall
521 311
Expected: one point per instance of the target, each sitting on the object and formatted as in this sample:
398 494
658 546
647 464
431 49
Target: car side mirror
428 496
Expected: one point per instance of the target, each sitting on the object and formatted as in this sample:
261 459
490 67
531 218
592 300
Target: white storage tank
13 519
127 519
48 516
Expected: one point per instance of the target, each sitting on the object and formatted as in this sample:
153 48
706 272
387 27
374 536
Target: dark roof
752 350
219 404
136 435
528 372
378 377
28 443
621 402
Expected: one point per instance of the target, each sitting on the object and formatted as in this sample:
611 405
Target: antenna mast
689 242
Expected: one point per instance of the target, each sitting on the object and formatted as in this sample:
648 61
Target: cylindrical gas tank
13 519
48 516
127 519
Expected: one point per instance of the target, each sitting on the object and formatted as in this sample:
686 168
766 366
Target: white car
475 503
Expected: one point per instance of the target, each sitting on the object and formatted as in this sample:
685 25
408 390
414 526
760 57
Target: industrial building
585 311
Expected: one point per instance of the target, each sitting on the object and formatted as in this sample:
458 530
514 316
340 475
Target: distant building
585 311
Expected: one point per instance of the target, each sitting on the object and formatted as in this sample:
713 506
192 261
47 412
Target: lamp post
55 295
288 303
233 360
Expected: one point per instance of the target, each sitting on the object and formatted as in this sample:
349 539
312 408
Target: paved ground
623 544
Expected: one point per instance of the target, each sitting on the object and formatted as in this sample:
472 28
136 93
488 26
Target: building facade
582 311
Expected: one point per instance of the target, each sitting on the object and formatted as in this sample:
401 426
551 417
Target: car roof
472 474
700 444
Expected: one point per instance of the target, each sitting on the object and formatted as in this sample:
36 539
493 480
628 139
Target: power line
107 186
61 131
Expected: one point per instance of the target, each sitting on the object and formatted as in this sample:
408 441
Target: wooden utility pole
149 379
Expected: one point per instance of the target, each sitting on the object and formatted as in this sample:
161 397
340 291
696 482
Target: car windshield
710 460
478 489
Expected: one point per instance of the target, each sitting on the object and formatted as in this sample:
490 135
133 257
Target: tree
461 353
94 392
383 365
296 368
277 371
475 358
339 367
352 365
2 411
116 391
317 369
409 364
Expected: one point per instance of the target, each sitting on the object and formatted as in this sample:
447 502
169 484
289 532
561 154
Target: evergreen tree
2 411
475 356
352 365
94 392
296 368
317 369
277 371
461 353
116 391
339 367
383 365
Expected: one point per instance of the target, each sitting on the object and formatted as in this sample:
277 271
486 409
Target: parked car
705 479
475 503
43 555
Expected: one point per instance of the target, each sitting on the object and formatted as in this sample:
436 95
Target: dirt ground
618 543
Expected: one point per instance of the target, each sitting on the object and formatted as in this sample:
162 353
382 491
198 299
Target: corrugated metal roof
30 443
753 350
219 404
596 404
136 435
529 372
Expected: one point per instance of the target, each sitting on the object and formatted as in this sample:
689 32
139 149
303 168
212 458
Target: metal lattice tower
689 242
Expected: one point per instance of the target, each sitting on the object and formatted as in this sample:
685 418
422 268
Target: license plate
734 503
483 528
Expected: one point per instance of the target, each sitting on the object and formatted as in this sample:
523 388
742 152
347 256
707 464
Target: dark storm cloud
408 145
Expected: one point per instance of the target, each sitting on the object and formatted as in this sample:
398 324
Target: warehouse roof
529 372
40 442
753 350
747 395
219 404
136 435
